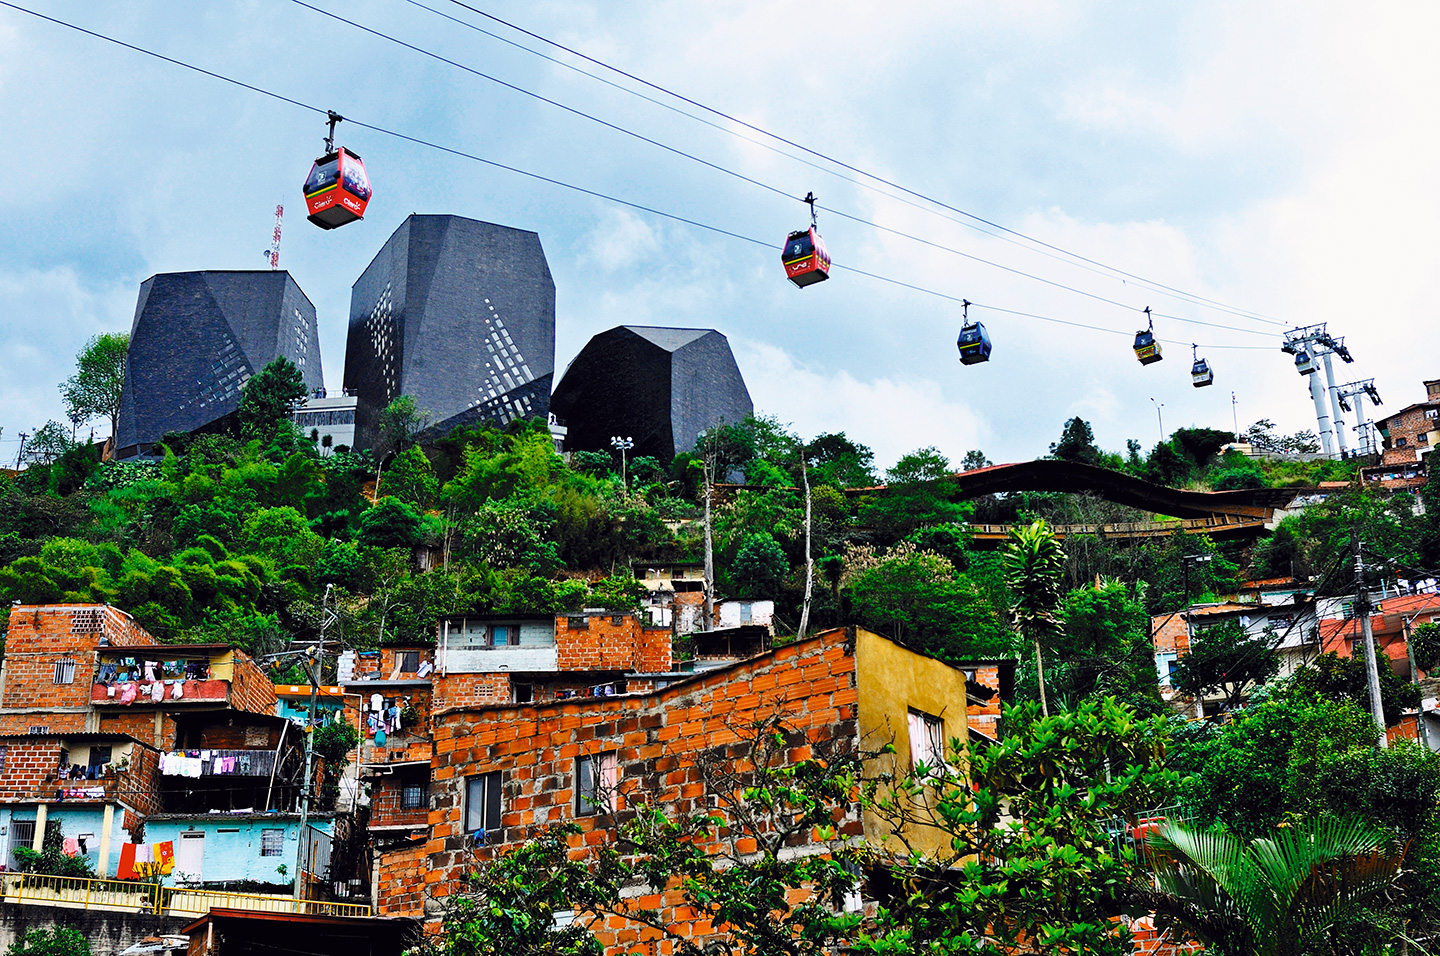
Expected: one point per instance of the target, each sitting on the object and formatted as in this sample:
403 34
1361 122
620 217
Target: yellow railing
82 893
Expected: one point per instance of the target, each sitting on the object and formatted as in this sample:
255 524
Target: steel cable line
561 183
741 176
1244 313
1185 297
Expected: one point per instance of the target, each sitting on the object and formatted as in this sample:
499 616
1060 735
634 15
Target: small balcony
167 675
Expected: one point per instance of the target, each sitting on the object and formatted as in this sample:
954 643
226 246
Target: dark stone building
197 337
458 314
659 386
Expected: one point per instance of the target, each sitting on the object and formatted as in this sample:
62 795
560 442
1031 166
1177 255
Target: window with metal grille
597 775
272 842
409 662
64 672
482 803
413 796
2 758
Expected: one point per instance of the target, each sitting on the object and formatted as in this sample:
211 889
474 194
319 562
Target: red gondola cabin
337 189
806 259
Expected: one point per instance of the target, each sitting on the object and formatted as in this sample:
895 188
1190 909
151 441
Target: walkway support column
37 843
104 869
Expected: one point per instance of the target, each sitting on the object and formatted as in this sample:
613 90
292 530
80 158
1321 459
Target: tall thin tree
1034 565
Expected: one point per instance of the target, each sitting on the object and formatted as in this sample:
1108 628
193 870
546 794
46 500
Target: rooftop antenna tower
273 253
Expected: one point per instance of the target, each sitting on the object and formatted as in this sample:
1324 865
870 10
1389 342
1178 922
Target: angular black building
659 386
197 337
460 315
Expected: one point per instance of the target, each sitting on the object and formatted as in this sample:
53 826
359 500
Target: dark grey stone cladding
460 315
659 386
197 337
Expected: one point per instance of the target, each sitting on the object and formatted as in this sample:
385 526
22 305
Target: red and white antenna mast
274 254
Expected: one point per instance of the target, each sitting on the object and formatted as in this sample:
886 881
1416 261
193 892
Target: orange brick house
93 712
503 770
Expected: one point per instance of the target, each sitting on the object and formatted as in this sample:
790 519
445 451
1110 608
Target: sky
1274 157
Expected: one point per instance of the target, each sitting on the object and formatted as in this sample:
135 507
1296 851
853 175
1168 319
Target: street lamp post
622 445
1159 420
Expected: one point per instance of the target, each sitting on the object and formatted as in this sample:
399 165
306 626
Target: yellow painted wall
222 667
891 682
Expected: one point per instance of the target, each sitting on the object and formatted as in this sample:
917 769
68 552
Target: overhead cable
1246 313
553 181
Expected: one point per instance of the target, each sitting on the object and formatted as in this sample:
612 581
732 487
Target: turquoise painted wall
75 819
232 848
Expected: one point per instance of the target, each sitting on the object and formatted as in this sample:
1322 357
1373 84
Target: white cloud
891 417
620 240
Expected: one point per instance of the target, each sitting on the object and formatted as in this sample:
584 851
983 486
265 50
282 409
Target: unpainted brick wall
250 689
603 644
40 636
656 738
471 690
401 886
386 804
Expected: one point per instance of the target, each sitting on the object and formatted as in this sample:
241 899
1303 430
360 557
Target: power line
548 179
741 176
819 155
1065 258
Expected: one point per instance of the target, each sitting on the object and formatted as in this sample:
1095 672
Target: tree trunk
1040 674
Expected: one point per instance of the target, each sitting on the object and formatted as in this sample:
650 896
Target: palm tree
1278 896
1034 562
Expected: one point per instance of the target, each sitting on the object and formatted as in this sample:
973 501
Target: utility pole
314 665
1372 672
1235 416
709 462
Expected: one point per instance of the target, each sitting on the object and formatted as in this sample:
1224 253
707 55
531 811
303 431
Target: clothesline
212 763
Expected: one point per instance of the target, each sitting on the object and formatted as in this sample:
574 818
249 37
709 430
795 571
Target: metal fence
139 897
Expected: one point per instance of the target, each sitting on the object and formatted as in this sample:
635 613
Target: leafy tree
51 941
836 459
1077 443
504 534
915 597
918 493
1104 649
950 541
1274 896
1228 659
1026 861
398 423
759 567
391 523
1034 562
411 478
974 458
94 390
270 398
48 444
1344 678
1425 645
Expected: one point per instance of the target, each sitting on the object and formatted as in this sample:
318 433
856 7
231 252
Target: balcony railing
75 892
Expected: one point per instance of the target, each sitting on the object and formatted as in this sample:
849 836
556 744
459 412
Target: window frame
490 803
928 745
596 775
406 657
64 671
414 796
276 834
